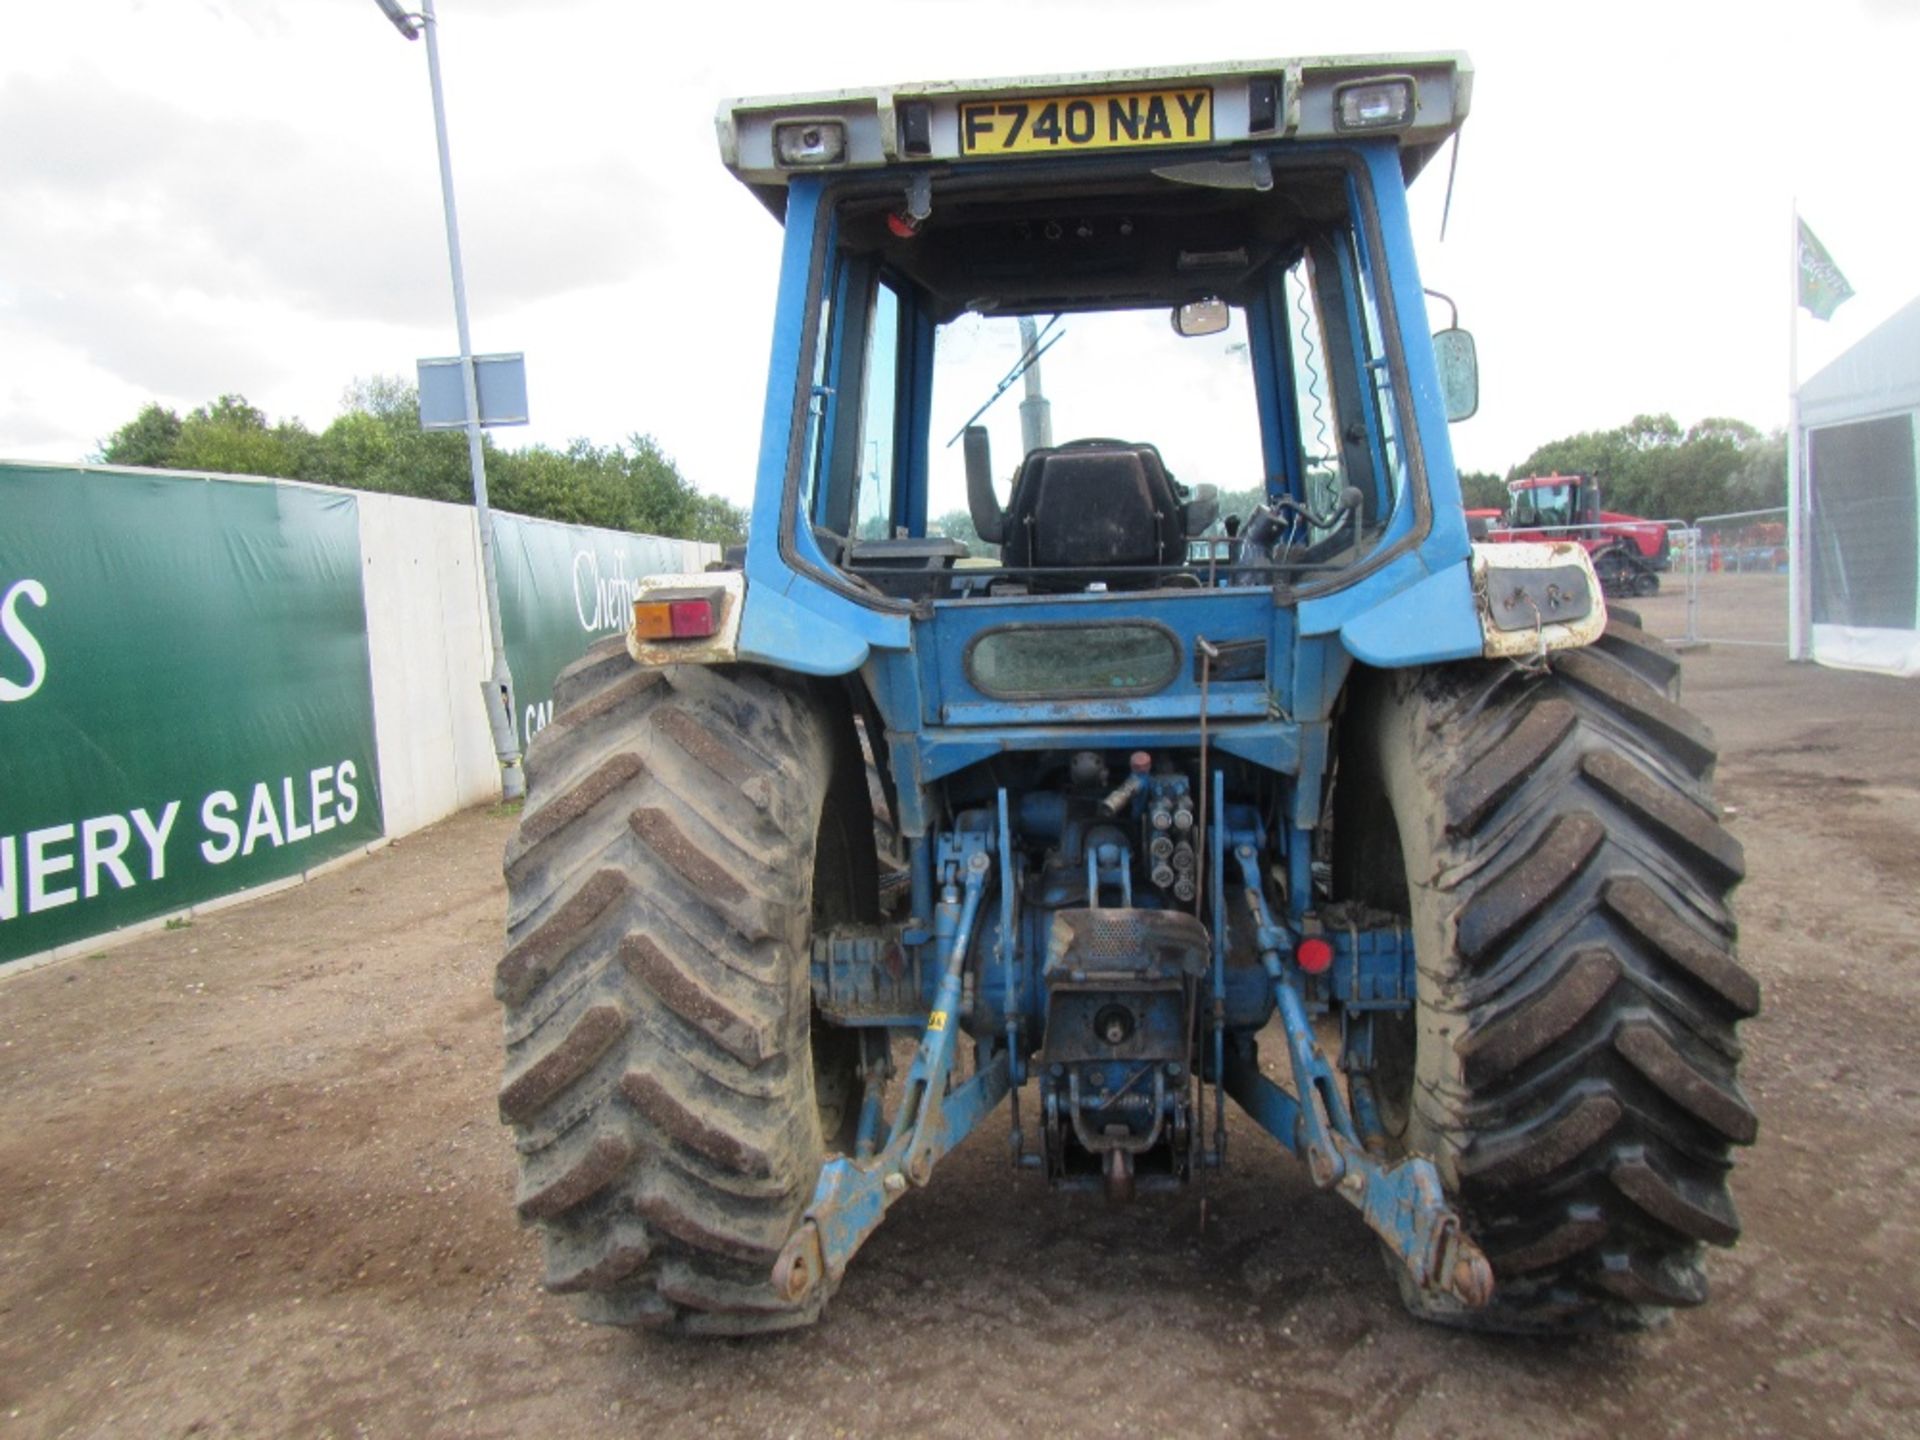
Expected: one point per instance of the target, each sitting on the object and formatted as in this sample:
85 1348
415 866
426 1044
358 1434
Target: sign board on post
501 381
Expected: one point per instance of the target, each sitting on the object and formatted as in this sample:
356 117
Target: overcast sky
209 196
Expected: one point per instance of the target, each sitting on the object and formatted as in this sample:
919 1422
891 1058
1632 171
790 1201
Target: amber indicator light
678 615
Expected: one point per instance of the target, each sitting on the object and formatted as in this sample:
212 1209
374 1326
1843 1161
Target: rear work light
810 142
1384 104
678 614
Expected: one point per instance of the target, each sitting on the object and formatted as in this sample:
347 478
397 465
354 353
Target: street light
497 690
408 25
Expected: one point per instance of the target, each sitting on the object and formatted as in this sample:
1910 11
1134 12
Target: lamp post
1036 414
497 690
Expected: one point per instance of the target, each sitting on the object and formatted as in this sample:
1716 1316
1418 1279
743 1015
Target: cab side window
879 391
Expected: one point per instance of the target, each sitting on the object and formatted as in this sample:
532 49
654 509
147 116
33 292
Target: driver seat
1090 504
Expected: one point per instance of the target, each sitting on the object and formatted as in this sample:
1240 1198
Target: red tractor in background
1629 553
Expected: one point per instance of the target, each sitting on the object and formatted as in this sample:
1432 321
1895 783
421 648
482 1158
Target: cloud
127 190
24 430
242 195
169 348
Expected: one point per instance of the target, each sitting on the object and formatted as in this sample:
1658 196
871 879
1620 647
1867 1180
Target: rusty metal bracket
1403 1201
853 1195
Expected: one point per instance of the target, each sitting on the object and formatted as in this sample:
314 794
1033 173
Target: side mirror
1459 366
989 520
1200 317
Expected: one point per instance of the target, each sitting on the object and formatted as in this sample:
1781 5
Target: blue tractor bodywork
1107 782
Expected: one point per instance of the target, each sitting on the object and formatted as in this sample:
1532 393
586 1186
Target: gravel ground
251 1182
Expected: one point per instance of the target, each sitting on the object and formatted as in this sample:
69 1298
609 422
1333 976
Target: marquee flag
1822 287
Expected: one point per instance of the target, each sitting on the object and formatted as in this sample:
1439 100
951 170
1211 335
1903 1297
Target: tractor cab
1099 335
1552 501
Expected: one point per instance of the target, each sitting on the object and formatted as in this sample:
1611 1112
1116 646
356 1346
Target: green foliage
1242 503
232 437
1649 466
376 443
958 525
1761 481
1652 467
1483 490
634 486
147 439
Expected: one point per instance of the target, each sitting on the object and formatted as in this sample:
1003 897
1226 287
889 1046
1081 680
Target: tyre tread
655 989
1583 986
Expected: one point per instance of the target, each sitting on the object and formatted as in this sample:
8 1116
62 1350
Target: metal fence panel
1736 566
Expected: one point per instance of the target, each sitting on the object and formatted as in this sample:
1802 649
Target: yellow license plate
1049 124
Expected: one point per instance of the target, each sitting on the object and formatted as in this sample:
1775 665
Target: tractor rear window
1122 375
1543 505
1133 382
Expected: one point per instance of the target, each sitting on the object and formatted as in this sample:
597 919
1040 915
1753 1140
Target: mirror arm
1453 310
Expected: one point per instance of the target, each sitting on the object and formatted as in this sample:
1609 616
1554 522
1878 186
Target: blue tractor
1195 755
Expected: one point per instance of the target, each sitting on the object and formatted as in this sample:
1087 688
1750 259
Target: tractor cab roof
1179 113
1104 190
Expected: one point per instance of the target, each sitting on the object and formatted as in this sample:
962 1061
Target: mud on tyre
1571 1064
670 1102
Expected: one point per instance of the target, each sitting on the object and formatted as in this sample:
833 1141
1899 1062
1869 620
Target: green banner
562 587
185 703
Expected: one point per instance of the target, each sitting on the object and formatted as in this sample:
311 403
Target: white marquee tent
1858 576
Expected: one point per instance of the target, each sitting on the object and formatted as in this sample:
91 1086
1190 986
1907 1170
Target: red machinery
1628 552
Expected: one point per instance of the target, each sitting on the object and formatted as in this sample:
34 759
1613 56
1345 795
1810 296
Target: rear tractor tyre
1570 1066
670 1096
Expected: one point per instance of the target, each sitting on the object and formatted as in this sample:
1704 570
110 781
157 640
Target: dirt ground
252 1183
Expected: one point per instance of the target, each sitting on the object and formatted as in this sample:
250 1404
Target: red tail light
678 614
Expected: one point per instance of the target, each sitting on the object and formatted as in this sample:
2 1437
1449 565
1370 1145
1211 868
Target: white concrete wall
426 641
427 645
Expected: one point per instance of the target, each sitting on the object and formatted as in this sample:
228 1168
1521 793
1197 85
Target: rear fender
1512 599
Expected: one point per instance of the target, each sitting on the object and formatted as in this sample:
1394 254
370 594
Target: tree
958 525
1242 502
1652 467
1761 481
1483 490
376 443
148 439
231 437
